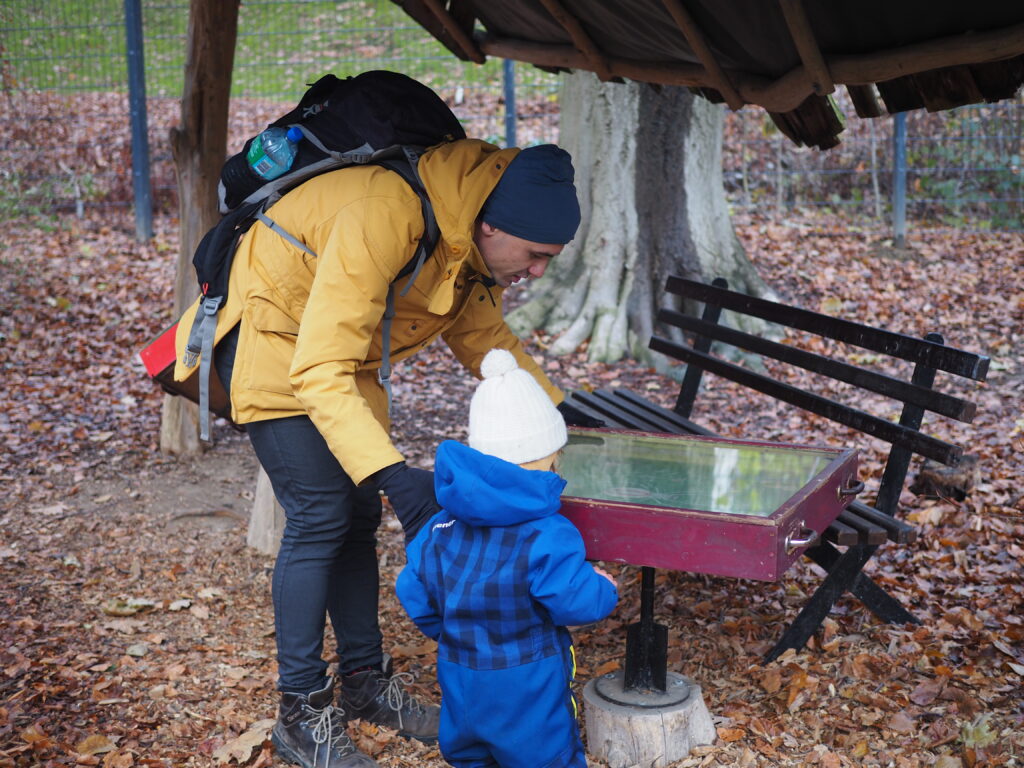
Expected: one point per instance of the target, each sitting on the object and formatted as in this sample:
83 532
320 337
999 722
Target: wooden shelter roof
785 56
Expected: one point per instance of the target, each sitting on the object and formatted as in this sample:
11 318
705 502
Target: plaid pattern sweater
498 573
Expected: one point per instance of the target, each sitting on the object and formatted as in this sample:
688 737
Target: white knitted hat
511 416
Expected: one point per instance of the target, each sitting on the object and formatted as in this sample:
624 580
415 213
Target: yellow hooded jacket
311 340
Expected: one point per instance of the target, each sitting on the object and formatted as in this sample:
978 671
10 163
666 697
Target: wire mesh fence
65 140
963 166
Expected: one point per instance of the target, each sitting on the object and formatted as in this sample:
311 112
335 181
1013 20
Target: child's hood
483 490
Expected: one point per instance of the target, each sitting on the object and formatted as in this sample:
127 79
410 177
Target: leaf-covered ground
135 625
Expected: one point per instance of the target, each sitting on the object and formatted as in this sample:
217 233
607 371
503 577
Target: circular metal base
609 687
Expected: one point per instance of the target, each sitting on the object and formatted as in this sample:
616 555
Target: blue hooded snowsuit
495 577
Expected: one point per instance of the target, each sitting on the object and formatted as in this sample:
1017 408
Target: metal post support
899 180
646 644
137 107
509 78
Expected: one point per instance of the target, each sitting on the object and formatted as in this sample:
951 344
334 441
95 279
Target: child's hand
607 576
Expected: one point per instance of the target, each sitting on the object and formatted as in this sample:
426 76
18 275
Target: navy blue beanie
535 198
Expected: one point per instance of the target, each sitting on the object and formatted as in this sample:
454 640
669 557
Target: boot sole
429 741
286 752
290 755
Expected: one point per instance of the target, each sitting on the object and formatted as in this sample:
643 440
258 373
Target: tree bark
649 175
199 146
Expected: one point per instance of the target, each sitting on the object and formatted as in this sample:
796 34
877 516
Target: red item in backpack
158 358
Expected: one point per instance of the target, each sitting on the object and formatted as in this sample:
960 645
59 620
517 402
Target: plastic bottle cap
295 134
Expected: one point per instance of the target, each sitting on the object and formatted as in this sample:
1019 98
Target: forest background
134 623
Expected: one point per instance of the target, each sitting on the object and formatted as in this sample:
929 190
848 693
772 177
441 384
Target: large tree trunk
649 174
199 145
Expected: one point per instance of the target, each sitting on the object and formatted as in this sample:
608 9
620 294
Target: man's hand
411 493
574 417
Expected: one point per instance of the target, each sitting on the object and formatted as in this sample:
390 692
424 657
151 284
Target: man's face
510 258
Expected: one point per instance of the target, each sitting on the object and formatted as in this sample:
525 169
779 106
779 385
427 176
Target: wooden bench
848 544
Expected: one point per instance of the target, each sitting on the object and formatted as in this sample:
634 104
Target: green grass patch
282 46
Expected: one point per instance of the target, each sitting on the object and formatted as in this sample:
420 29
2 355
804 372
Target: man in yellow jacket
301 348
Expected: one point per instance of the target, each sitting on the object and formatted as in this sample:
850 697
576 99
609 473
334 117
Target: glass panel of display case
688 473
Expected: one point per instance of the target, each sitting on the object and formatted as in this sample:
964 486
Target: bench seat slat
651 419
929 399
840 533
898 531
919 443
584 402
618 416
873 534
684 425
939 356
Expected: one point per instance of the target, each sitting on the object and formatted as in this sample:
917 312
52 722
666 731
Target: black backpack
378 117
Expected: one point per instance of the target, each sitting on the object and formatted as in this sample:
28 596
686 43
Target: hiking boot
310 732
379 696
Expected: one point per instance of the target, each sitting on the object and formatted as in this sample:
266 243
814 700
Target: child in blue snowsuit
497 575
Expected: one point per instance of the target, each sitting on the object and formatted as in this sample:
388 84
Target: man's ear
489 230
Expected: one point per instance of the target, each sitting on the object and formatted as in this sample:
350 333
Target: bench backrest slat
937 402
938 356
898 435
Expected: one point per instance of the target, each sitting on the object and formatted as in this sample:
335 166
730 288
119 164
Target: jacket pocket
271 349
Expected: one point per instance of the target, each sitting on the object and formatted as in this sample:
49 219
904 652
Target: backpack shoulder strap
406 167
212 261
284 233
213 264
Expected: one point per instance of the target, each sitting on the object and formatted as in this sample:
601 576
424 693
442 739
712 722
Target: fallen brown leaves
135 626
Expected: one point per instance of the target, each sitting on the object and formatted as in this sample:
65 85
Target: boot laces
398 699
328 727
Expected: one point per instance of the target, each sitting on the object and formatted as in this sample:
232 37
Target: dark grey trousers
327 564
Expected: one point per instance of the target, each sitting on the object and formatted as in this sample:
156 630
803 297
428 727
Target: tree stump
645 729
938 481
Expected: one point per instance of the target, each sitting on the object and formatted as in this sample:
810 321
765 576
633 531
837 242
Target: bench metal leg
844 573
885 607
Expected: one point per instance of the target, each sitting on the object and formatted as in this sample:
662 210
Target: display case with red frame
710 505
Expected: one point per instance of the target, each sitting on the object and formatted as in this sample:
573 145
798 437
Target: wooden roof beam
807 46
695 38
864 100
597 62
789 91
451 26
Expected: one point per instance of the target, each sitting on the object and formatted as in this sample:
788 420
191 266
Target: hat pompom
497 362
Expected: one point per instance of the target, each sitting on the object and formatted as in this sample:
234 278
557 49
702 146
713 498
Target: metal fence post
137 108
509 78
899 180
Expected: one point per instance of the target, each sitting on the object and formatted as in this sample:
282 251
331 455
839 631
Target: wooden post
266 520
199 145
